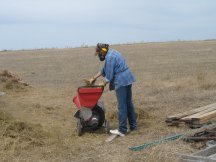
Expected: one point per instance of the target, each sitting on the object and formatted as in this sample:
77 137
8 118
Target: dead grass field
37 123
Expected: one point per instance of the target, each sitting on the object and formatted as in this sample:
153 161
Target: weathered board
194 118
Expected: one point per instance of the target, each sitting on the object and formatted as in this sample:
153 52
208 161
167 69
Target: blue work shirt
116 68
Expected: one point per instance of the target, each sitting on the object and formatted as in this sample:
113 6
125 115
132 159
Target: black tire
79 127
98 111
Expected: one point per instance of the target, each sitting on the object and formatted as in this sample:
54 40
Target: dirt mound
9 80
20 134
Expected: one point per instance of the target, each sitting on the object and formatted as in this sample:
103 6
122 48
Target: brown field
37 123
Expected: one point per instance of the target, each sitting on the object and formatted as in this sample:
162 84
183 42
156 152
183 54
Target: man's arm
97 75
93 79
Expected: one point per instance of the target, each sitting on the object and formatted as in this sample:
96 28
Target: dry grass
171 78
11 81
17 136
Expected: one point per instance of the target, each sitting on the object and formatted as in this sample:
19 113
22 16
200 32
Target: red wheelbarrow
91 111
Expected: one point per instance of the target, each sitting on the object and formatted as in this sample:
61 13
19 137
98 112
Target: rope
171 138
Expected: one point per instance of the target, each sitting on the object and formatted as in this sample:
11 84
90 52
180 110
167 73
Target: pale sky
33 24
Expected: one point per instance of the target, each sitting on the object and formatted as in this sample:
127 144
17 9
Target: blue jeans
126 108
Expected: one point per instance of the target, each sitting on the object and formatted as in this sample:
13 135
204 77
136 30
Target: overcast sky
30 24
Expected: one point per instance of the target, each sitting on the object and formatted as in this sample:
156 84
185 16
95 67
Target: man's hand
90 81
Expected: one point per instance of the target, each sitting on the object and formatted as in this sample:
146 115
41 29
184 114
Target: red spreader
91 111
88 96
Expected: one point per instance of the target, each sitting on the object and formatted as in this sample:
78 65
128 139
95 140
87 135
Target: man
120 79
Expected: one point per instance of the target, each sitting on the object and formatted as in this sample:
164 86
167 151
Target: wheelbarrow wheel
79 127
106 126
98 111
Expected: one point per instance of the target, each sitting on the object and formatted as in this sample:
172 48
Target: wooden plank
196 158
197 115
175 123
198 123
191 112
203 120
187 120
111 138
194 126
206 155
213 156
206 116
206 152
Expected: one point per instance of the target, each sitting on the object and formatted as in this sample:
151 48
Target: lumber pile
205 135
194 118
205 155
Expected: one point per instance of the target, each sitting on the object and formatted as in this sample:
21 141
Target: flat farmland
37 122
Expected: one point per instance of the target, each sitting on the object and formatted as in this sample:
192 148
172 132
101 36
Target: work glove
103 84
90 81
